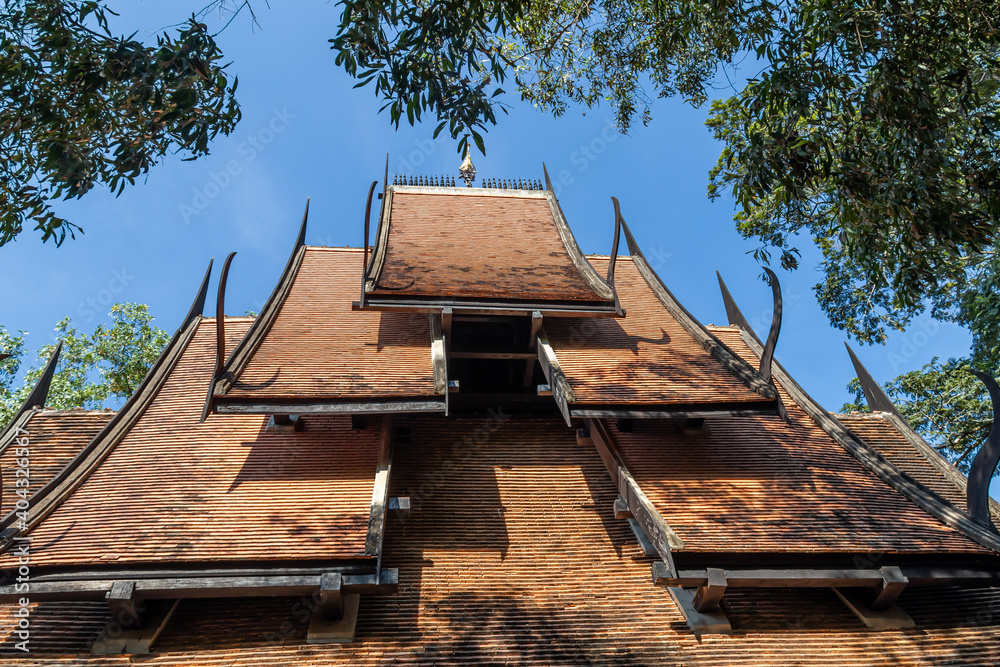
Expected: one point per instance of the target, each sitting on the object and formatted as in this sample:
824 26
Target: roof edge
56 490
708 341
933 456
576 256
875 396
877 463
245 349
373 271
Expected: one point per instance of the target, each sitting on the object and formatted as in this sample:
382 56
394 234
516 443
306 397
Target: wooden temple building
469 443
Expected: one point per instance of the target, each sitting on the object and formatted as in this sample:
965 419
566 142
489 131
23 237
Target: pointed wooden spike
548 181
875 396
40 393
301 239
198 306
985 464
733 312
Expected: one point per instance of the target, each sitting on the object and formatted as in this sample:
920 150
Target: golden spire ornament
468 170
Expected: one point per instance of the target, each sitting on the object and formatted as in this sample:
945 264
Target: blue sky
307 133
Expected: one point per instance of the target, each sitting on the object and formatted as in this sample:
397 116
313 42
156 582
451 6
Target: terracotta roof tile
491 246
645 358
881 434
54 438
318 348
174 490
758 484
532 568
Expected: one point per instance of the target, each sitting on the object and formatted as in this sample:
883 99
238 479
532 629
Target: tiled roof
174 490
646 358
763 485
318 348
938 475
479 245
512 555
54 437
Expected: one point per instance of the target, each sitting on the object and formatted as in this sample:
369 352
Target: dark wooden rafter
35 400
689 411
245 349
985 464
877 463
709 342
220 336
331 407
635 503
367 230
52 494
875 396
562 392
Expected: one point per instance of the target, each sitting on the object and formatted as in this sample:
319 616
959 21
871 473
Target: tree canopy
81 106
92 369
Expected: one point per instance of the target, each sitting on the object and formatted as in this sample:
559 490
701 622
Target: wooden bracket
331 596
283 424
115 639
709 622
127 608
890 618
893 583
709 595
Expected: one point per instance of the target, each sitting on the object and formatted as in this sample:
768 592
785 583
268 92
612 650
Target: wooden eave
53 493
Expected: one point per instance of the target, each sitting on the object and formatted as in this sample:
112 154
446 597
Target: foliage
872 126
437 56
12 348
119 356
82 106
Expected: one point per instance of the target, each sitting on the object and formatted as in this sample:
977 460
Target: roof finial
468 170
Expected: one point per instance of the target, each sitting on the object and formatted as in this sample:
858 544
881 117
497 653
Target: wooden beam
198 587
117 640
655 527
708 622
562 392
501 308
339 408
